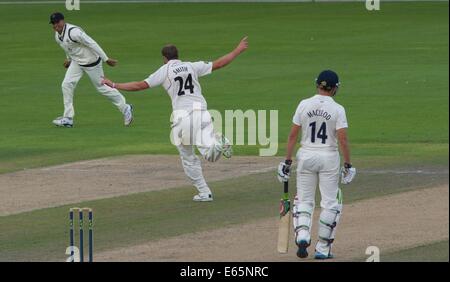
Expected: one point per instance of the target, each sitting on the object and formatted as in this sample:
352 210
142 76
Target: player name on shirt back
319 113
180 69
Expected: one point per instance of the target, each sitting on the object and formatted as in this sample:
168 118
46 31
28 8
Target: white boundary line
197 1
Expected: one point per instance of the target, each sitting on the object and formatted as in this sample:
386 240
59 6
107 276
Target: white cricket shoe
319 255
203 197
128 115
63 121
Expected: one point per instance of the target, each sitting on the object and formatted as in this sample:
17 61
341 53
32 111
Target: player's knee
327 223
67 85
189 160
332 204
103 89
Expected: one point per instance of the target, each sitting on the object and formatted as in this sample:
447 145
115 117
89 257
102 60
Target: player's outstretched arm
228 58
127 86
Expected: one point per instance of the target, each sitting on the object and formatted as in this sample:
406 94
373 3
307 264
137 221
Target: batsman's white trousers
319 168
95 73
195 129
322 168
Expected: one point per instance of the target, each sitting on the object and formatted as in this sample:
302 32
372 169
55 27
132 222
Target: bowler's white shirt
79 47
320 117
180 80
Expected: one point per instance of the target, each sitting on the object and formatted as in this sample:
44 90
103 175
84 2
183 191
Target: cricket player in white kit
83 55
323 126
191 122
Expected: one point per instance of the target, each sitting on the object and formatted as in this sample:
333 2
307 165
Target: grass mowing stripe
382 154
139 218
435 252
394 92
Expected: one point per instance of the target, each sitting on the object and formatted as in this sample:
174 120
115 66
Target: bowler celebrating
83 55
192 123
323 126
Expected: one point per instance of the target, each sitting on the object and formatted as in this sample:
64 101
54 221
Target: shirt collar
323 97
61 36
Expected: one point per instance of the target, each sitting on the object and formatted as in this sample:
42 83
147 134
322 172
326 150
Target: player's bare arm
348 172
127 86
228 58
292 141
284 168
343 144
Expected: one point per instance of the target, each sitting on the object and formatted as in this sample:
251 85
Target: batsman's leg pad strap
327 223
302 214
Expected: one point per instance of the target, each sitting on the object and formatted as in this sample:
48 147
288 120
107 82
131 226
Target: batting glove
347 173
284 171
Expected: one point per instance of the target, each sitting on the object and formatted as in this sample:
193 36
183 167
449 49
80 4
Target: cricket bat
285 221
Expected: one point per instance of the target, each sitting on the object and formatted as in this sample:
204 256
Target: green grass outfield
393 65
430 253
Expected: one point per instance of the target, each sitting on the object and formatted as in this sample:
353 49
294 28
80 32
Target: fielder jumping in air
192 124
323 124
83 55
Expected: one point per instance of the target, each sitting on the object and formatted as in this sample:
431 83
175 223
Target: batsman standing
83 55
323 126
191 122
